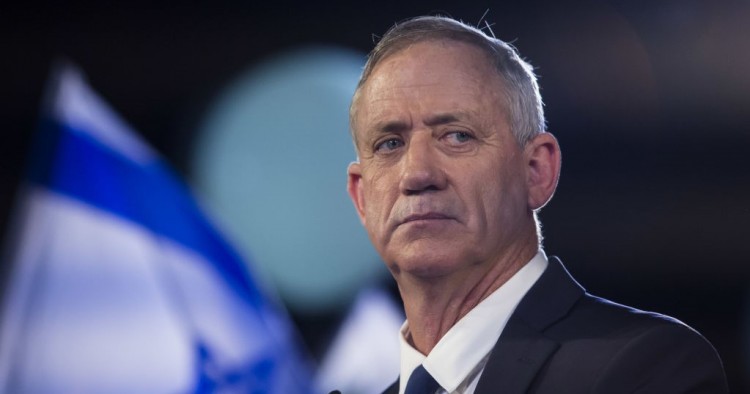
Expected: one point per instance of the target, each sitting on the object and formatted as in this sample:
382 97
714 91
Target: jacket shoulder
622 349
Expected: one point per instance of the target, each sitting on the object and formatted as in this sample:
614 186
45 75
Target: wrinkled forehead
431 54
449 64
458 53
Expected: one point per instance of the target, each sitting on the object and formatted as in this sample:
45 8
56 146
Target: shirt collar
467 343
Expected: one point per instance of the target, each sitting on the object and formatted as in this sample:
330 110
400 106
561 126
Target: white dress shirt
457 360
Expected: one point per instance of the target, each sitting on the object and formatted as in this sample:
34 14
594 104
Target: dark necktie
421 382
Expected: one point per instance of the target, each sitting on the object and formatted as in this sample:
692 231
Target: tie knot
421 382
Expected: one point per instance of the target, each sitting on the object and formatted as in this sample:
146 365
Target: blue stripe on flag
148 194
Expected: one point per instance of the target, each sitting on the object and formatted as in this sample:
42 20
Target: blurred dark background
649 100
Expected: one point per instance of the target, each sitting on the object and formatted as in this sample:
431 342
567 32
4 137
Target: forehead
453 75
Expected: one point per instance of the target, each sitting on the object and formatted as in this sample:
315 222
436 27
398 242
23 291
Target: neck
434 305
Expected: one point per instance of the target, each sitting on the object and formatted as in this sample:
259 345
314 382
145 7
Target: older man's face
441 182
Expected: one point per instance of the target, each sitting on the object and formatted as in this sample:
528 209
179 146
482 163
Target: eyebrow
393 126
440 119
397 126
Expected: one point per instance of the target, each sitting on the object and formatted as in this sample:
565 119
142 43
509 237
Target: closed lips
425 216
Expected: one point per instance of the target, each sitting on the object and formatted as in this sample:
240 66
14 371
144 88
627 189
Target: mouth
425 217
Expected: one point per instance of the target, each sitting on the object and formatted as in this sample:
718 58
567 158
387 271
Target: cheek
501 196
377 200
514 202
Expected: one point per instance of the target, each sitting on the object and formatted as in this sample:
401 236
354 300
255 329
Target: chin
429 263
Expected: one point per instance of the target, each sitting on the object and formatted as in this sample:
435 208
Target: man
453 163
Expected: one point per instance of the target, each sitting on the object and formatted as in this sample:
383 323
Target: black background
649 100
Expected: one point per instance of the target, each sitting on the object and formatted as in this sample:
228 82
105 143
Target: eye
389 145
458 137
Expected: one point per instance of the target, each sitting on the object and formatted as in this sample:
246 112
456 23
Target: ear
543 162
354 187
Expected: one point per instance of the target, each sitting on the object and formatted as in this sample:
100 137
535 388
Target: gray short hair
522 90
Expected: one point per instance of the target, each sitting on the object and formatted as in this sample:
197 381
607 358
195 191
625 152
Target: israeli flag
120 284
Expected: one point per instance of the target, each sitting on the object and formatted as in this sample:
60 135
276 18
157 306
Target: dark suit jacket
561 339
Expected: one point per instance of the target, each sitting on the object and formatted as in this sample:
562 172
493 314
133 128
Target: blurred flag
364 356
120 283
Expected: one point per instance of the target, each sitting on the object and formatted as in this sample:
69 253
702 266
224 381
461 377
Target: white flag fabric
119 283
364 357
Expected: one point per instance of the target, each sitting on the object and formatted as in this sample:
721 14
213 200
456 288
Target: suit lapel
522 348
515 360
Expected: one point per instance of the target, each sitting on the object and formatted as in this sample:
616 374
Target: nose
421 169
